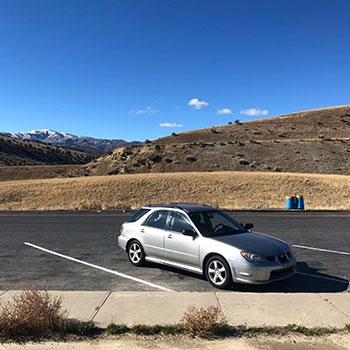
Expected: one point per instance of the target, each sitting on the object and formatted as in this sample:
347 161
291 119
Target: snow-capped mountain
82 143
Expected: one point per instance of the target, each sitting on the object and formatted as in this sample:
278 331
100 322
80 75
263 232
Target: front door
179 248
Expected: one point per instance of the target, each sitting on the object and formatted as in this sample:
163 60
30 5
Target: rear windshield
138 215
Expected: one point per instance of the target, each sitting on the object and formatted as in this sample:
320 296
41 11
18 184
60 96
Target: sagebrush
203 322
32 313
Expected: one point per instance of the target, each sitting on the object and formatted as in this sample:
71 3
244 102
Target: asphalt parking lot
89 258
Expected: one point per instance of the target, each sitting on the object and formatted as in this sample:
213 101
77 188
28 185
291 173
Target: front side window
179 223
157 219
215 223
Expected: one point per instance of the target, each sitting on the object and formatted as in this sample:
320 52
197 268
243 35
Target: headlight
253 258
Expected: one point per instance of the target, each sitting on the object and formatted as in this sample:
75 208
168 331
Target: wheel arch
208 256
129 242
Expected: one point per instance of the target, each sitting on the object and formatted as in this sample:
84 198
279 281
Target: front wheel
218 272
136 253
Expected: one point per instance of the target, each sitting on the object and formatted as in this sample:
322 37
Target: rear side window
138 215
157 219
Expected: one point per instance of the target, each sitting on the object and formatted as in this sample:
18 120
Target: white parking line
320 249
99 267
323 277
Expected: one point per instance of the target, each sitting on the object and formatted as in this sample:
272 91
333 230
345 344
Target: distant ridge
81 143
27 152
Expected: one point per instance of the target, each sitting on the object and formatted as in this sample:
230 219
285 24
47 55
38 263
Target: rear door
153 231
179 248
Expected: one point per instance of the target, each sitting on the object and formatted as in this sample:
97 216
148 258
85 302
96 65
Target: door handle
170 235
142 230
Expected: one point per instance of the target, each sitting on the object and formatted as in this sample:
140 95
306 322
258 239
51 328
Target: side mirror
248 226
190 233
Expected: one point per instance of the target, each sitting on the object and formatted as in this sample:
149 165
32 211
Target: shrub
32 313
203 322
237 121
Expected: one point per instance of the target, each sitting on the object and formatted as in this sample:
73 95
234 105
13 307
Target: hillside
63 139
24 152
30 172
315 141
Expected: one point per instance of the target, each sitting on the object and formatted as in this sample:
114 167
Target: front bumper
263 273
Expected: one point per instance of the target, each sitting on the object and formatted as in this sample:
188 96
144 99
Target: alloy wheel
135 253
217 272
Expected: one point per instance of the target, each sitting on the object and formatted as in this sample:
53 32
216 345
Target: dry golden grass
229 190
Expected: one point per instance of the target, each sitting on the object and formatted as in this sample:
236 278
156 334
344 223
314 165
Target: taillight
121 229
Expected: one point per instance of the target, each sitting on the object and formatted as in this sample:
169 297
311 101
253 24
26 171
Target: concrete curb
249 309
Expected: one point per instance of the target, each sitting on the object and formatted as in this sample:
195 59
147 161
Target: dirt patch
333 342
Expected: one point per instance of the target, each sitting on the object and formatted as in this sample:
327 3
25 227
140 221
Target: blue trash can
290 202
300 201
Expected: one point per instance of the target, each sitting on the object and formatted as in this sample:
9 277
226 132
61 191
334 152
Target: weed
315 331
32 313
263 330
79 328
203 322
114 329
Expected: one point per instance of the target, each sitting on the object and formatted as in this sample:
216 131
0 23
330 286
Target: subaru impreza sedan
206 241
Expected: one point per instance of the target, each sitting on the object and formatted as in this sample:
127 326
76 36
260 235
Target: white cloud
147 110
170 125
255 112
224 111
197 104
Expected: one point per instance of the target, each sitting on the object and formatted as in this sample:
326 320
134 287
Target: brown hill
23 152
315 141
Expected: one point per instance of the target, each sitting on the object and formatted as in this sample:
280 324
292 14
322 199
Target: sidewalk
250 309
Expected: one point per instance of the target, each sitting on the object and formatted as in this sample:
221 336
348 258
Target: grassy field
11 173
229 190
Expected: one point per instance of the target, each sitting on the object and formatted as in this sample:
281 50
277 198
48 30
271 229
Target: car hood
254 243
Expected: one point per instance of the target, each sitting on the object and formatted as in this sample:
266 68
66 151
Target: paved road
91 237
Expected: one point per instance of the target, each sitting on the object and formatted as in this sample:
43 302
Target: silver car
207 241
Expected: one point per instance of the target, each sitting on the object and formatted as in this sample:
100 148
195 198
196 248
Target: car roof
188 208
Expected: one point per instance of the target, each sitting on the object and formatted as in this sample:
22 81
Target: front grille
283 258
282 272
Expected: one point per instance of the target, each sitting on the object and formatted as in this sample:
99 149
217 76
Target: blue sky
144 69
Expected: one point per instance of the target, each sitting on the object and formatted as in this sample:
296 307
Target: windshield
215 223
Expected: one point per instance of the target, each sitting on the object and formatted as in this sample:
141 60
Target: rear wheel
136 253
218 272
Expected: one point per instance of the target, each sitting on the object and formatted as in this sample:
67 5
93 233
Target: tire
218 272
136 253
